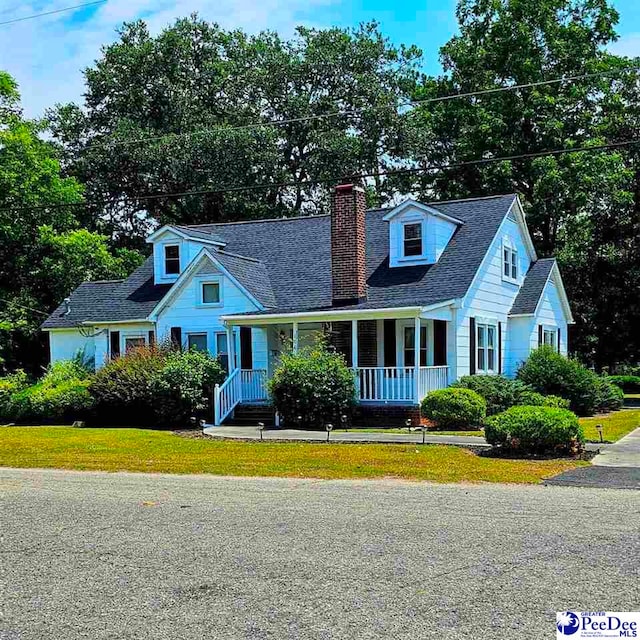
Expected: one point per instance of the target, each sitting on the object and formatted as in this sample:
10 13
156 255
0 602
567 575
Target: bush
155 384
11 385
62 394
550 373
628 384
535 430
454 408
183 386
499 392
610 396
313 386
535 399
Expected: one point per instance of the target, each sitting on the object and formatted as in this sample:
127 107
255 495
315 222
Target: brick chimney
348 263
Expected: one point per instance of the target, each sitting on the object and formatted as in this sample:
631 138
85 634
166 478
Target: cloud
627 45
47 55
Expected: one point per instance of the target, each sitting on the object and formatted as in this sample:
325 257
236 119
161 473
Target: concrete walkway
624 453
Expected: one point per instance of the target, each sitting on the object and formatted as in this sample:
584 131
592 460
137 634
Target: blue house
415 296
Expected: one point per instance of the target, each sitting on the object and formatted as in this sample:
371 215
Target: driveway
94 555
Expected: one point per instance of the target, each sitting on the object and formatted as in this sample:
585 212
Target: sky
47 55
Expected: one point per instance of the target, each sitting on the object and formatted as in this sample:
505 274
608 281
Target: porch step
249 415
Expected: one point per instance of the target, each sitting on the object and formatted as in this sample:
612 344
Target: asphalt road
119 556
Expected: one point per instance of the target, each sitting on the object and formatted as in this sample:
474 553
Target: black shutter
114 344
246 349
539 335
559 339
439 343
472 346
152 338
499 347
389 337
176 337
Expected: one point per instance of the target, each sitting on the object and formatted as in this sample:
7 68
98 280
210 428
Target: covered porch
398 355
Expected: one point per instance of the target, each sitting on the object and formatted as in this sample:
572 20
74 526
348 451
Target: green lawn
165 452
615 425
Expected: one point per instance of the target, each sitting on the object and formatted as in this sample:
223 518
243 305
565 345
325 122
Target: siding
490 296
66 344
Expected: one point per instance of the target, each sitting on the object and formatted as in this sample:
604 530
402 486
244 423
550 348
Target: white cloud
47 55
627 45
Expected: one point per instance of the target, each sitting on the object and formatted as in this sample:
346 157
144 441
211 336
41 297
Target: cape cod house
415 297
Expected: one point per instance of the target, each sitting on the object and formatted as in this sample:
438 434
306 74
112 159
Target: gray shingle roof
527 299
292 267
197 234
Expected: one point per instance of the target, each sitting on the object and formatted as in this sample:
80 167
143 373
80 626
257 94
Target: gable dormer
418 234
174 248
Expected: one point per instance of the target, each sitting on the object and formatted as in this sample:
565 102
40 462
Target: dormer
418 234
174 247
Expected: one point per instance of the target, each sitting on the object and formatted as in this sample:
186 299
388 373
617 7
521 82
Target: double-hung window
550 337
197 341
509 262
171 259
210 293
412 240
486 348
410 347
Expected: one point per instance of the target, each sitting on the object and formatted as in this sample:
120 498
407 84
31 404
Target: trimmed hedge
499 392
535 430
454 408
628 384
312 387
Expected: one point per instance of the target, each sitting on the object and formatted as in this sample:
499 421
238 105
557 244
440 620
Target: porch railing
254 385
226 396
398 384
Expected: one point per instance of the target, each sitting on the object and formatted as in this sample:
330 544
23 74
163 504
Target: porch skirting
386 415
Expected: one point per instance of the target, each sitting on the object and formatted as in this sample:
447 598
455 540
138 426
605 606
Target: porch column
417 358
354 344
295 337
231 349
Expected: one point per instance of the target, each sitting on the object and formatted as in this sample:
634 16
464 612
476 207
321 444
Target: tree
43 255
211 88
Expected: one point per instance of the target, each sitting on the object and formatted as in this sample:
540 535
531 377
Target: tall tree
333 93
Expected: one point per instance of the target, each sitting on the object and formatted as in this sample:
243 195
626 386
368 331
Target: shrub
550 373
610 396
314 385
628 384
536 430
11 385
454 408
499 392
183 386
535 399
123 388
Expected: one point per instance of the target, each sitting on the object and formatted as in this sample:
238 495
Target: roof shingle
527 299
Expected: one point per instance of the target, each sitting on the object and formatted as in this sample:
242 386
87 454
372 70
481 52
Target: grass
615 425
164 452
477 432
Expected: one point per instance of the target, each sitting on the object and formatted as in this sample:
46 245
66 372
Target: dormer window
412 245
171 259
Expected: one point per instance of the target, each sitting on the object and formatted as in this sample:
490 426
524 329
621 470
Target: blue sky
47 55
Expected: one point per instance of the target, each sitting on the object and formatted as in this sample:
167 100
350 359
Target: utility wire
22 306
336 114
50 13
336 179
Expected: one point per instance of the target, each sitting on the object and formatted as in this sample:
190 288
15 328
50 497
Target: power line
337 179
22 306
50 13
336 114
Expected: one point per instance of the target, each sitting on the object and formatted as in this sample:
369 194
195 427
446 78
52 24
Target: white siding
436 233
189 249
490 297
65 344
184 311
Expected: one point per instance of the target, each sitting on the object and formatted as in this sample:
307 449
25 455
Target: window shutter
559 334
114 344
246 348
389 331
472 346
176 337
539 335
499 347
439 343
152 338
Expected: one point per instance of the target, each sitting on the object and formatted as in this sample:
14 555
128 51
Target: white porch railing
254 385
246 385
226 396
398 384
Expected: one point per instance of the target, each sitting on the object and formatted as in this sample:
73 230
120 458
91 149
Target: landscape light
329 428
599 429
261 429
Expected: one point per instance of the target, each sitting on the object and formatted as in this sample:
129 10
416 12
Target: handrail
226 396
398 384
